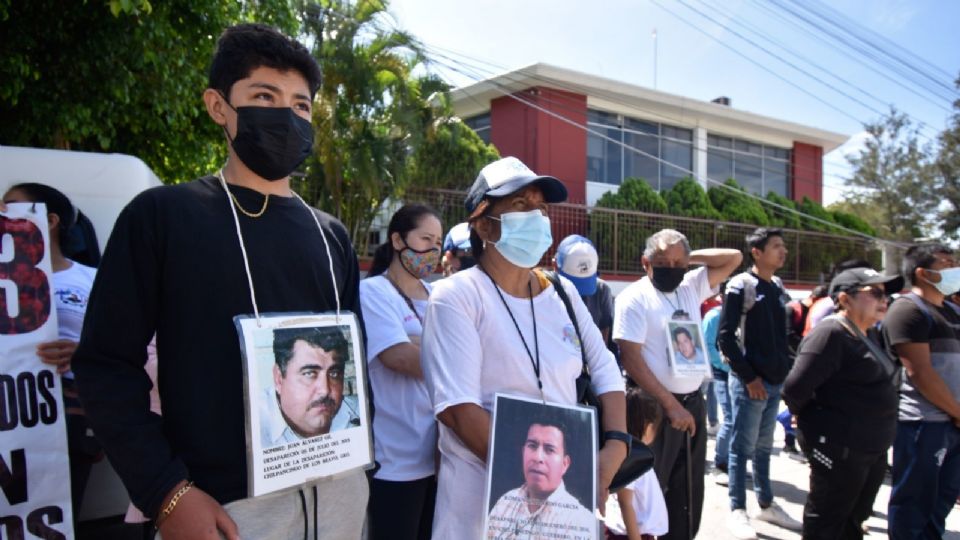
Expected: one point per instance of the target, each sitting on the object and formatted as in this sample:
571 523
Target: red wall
547 144
807 168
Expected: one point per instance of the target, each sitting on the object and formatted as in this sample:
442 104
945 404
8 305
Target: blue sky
612 38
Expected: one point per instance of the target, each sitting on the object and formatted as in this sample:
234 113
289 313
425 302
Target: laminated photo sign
34 463
305 394
542 474
686 354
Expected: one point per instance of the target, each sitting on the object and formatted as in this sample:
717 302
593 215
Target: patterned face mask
419 264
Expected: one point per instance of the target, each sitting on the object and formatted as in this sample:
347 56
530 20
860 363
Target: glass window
481 125
595 155
748 172
677 133
641 126
719 142
638 165
775 176
679 154
613 171
719 165
603 118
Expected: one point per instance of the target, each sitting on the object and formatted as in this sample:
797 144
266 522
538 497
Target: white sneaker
720 478
713 429
776 515
739 525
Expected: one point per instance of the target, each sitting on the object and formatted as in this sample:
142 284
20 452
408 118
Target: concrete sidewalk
790 479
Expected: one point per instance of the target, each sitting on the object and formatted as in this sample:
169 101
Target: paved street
790 481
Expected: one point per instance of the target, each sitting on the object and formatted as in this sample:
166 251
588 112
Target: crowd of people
870 373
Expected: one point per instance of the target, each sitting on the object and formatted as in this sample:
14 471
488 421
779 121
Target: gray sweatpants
340 506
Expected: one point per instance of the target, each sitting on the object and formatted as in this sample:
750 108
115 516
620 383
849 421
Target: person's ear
566 463
487 229
647 265
277 378
216 106
397 241
53 221
931 276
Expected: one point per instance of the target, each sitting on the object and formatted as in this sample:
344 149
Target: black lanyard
405 298
536 342
677 312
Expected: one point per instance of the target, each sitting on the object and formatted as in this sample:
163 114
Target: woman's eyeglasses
875 292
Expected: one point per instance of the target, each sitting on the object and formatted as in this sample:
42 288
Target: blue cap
577 261
458 238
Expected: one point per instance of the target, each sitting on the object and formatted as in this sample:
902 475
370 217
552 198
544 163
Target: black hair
681 330
554 419
406 219
850 264
330 339
75 233
483 210
759 238
245 47
819 292
642 410
921 256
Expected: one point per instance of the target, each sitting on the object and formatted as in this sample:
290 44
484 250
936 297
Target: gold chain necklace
254 215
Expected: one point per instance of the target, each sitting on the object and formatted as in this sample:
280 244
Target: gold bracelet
173 502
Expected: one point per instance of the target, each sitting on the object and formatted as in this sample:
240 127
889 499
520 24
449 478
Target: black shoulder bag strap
585 392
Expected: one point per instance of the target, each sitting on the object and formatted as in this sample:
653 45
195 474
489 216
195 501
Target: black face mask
666 278
271 141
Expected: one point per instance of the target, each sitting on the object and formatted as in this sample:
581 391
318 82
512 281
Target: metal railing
620 236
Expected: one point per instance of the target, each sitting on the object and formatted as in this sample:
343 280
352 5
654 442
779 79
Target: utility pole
654 58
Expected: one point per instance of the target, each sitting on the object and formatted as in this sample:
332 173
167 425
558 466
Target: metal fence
621 235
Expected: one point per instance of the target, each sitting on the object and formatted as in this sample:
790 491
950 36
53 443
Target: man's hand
680 418
197 516
57 353
609 459
756 390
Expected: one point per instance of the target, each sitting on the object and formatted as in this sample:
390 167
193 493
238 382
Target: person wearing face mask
456 250
501 326
671 290
843 390
182 262
394 299
923 332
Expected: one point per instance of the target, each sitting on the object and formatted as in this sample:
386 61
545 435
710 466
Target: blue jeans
723 435
711 403
926 479
754 421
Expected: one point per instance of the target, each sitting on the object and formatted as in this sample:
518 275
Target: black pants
402 510
670 454
843 485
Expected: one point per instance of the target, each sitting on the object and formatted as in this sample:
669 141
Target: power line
465 60
704 178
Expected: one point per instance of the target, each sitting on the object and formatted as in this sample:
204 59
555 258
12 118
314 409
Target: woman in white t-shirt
72 282
394 301
502 327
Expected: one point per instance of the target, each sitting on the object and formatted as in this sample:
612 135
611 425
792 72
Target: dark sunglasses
877 294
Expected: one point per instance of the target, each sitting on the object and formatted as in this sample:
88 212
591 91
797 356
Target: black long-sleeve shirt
840 391
765 330
173 267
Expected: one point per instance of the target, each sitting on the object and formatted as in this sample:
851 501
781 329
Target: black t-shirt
839 390
173 267
765 333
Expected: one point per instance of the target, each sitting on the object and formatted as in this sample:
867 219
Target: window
481 125
757 167
635 150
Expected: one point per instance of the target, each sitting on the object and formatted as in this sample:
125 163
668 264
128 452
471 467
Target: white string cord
326 245
243 248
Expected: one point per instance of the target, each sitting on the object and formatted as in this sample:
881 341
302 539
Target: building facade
592 132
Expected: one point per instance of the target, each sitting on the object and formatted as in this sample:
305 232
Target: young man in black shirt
922 331
843 389
174 267
753 337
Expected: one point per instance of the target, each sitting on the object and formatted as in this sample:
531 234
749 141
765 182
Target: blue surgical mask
949 280
524 237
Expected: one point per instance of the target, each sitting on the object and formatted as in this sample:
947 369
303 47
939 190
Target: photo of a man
542 507
305 397
686 348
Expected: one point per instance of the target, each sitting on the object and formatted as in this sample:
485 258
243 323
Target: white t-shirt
648 505
404 428
641 316
471 351
71 289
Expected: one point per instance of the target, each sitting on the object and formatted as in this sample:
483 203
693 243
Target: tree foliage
687 198
894 178
634 194
737 205
948 173
120 76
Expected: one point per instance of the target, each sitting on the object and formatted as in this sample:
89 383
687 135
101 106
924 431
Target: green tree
687 198
948 169
634 194
812 208
123 76
786 219
894 176
450 156
737 205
